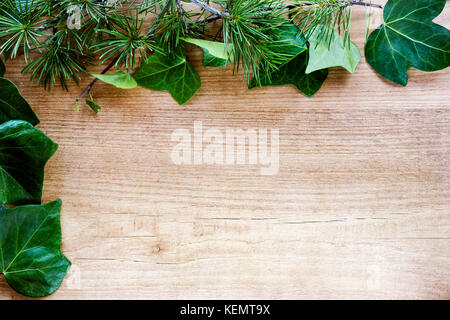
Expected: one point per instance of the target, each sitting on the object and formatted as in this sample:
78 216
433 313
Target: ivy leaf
169 73
2 68
288 41
409 39
24 151
294 73
331 51
12 105
214 53
30 244
93 105
119 79
291 44
210 60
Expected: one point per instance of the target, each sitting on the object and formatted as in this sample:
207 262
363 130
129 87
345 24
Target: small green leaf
294 73
93 105
171 73
409 39
119 79
24 151
210 60
30 244
332 51
214 53
217 49
2 68
12 105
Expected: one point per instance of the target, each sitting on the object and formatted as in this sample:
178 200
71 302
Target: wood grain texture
359 209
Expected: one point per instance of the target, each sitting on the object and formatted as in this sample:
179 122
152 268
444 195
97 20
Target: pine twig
365 4
113 62
150 36
205 6
181 11
160 16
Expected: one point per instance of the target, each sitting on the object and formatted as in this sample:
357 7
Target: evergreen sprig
59 39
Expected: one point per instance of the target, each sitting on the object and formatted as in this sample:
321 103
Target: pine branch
151 36
205 6
247 30
160 16
181 11
365 4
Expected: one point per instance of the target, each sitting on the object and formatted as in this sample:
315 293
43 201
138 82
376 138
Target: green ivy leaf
93 105
30 244
294 73
24 151
288 41
12 105
214 53
331 51
171 73
2 68
291 44
409 39
119 79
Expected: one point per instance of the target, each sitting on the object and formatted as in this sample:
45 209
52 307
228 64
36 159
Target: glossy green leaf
171 73
331 51
409 39
12 105
24 151
293 73
119 79
30 244
93 105
291 44
2 68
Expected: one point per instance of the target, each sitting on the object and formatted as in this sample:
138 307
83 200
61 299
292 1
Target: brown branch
89 87
206 6
365 4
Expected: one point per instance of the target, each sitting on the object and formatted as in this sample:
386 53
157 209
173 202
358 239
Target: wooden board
359 207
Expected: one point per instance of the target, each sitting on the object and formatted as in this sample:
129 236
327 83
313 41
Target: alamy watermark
231 146
75 16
